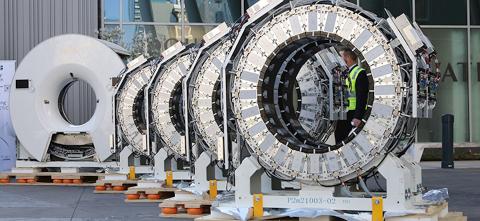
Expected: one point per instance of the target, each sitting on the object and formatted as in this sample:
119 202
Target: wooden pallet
50 178
183 216
113 186
185 209
149 194
432 213
37 183
276 218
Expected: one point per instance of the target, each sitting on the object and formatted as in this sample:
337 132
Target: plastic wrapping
225 197
184 185
228 208
313 213
436 195
247 213
189 187
237 213
147 177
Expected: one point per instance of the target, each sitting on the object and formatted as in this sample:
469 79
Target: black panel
115 81
22 83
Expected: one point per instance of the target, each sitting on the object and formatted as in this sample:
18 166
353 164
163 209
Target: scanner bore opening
77 102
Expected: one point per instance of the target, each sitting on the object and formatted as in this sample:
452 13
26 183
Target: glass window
475 86
452 97
111 10
213 11
441 12
112 33
475 12
194 34
249 3
352 1
396 7
150 40
166 11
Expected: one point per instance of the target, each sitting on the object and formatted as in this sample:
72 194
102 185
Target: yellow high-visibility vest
351 82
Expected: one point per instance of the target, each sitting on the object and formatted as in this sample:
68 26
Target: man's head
349 57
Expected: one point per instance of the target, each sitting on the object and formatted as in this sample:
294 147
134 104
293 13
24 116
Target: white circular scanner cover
130 103
48 68
167 86
204 95
329 22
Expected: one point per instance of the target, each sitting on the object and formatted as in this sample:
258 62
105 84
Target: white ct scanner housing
258 70
202 107
34 100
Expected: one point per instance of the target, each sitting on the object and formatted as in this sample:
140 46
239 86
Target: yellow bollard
131 174
377 208
213 189
257 205
169 180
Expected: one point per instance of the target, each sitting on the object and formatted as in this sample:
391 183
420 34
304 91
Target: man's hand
356 122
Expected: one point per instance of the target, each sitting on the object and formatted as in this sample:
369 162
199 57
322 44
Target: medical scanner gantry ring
40 80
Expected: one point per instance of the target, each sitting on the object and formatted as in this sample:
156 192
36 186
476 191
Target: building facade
150 26
454 29
26 23
452 26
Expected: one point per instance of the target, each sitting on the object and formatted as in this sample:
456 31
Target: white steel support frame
413 60
163 162
403 178
188 144
205 164
127 150
206 170
167 131
125 163
64 164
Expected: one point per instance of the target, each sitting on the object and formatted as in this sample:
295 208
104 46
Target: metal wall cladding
26 23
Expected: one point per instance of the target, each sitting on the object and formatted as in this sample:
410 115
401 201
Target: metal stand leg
204 167
125 164
164 162
159 166
124 161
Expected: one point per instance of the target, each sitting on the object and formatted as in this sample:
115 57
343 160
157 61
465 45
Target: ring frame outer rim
335 177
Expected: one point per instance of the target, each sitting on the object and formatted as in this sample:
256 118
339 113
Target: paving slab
462 187
464 164
69 203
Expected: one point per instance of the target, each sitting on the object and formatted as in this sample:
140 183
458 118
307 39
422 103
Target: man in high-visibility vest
357 83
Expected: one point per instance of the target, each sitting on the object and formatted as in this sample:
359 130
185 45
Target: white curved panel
166 96
49 68
130 105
